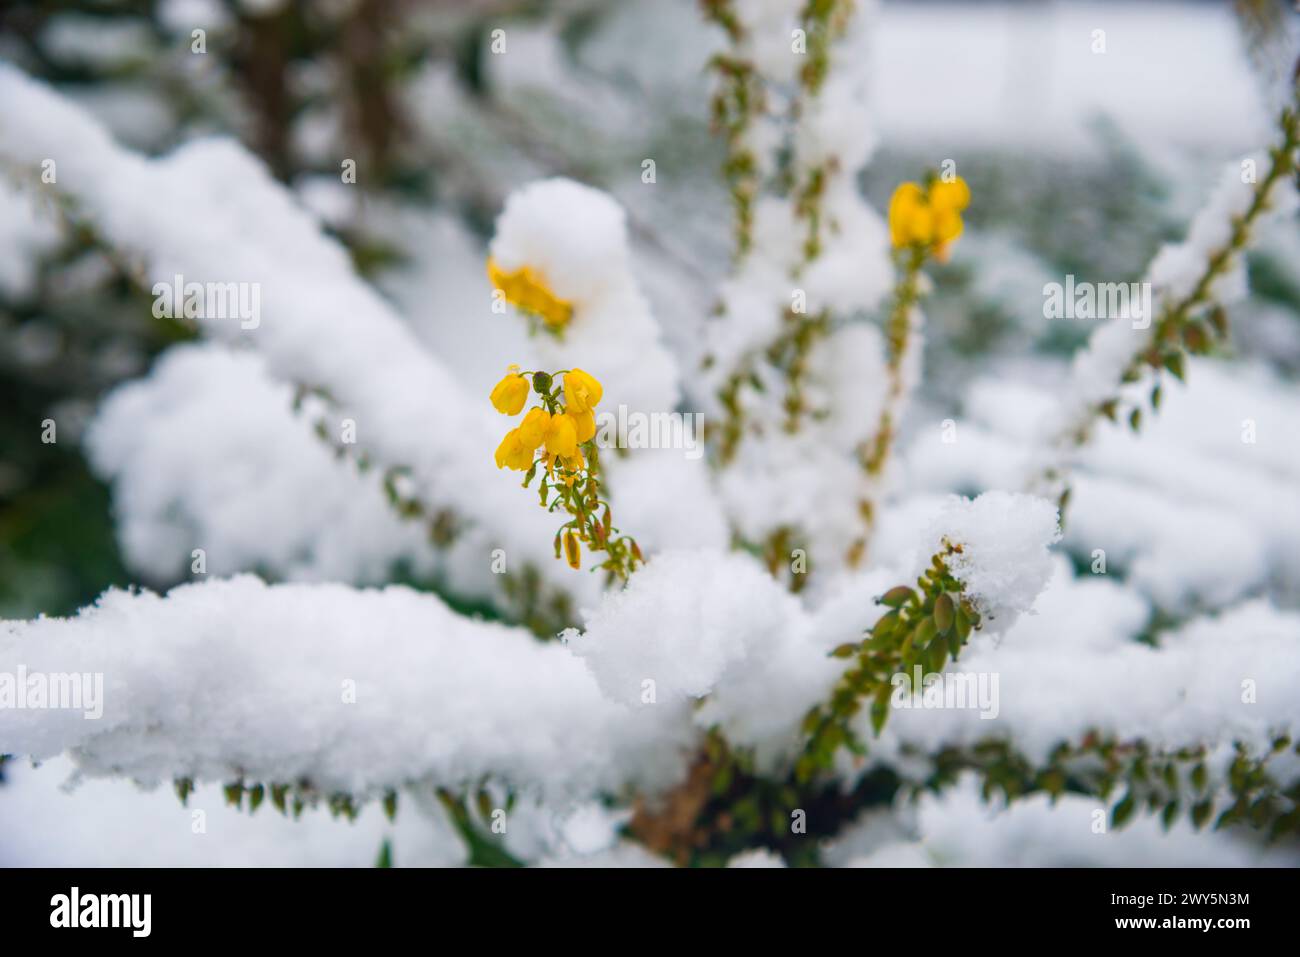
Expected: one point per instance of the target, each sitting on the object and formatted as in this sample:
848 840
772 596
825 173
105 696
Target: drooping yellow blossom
533 428
514 452
527 290
581 391
928 217
950 194
561 435
908 219
585 422
563 427
510 394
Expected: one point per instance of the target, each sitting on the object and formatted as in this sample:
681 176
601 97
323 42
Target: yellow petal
508 451
522 459
953 196
510 394
527 290
920 226
947 225
532 430
585 423
561 436
581 391
571 551
908 198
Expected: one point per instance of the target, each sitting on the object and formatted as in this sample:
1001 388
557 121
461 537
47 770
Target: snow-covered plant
843 619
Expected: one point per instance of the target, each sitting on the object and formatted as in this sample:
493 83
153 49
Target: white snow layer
354 691
234 678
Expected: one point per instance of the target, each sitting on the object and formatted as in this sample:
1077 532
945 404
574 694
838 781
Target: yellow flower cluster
526 290
559 430
928 216
563 428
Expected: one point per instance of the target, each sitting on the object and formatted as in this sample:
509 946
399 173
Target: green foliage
924 627
1172 783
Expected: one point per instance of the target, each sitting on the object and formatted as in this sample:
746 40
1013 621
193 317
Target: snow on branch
213 473
335 691
792 385
1192 282
327 689
1215 681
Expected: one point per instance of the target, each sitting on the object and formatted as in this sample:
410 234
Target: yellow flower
571 551
526 289
532 430
585 423
948 199
510 394
581 391
909 217
918 217
947 226
953 195
561 436
513 453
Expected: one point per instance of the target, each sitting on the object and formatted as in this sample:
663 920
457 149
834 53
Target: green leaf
385 855
812 719
1174 363
1219 320
1201 813
1169 814
943 613
1123 810
722 780
898 596
961 621
1053 782
804 768
880 708
925 632
846 650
